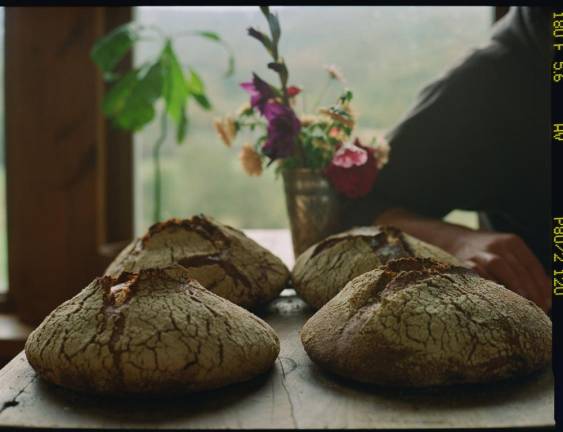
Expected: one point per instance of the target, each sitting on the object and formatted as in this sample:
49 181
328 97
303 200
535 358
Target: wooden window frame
64 224
69 176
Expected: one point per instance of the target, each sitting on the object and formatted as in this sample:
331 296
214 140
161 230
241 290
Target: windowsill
13 334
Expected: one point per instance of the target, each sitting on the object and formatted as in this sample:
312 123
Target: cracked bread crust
326 267
417 323
153 332
224 260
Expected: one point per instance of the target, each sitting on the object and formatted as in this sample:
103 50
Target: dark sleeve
448 151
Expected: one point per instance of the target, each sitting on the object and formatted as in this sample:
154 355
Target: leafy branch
278 65
271 44
131 101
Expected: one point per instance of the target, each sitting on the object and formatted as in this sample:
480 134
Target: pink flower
349 155
353 170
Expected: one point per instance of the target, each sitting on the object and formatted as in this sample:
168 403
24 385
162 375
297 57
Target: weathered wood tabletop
294 394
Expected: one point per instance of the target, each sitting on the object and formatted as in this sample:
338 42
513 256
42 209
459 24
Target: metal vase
313 207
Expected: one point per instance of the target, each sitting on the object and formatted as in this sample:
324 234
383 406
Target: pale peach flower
335 73
226 129
250 160
382 150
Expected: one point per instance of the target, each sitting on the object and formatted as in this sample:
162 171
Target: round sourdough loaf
153 332
416 322
326 267
221 258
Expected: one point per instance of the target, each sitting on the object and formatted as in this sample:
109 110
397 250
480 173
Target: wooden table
294 394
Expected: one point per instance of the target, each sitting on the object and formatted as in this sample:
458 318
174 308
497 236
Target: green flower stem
285 97
283 81
157 205
256 123
284 91
322 93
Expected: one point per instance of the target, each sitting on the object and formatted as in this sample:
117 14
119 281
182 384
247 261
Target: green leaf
195 83
281 69
175 88
130 102
264 40
139 108
182 127
116 97
202 101
109 50
231 66
197 90
275 29
346 96
209 35
247 112
110 77
212 36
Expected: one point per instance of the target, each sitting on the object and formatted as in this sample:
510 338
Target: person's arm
501 257
470 142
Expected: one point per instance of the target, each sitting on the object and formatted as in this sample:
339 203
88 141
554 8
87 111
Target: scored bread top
417 322
223 259
153 332
326 267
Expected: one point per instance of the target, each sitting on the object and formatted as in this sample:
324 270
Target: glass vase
313 207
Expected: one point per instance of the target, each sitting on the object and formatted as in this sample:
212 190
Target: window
386 53
66 187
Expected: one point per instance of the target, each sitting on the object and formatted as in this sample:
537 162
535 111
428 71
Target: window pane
3 239
386 54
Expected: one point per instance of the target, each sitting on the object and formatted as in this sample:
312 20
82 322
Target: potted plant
320 160
131 102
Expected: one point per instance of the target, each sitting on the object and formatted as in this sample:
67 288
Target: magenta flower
260 92
283 129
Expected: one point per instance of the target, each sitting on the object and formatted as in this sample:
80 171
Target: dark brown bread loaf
153 332
221 258
417 322
326 267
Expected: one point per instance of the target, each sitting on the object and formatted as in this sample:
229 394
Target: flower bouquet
321 161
